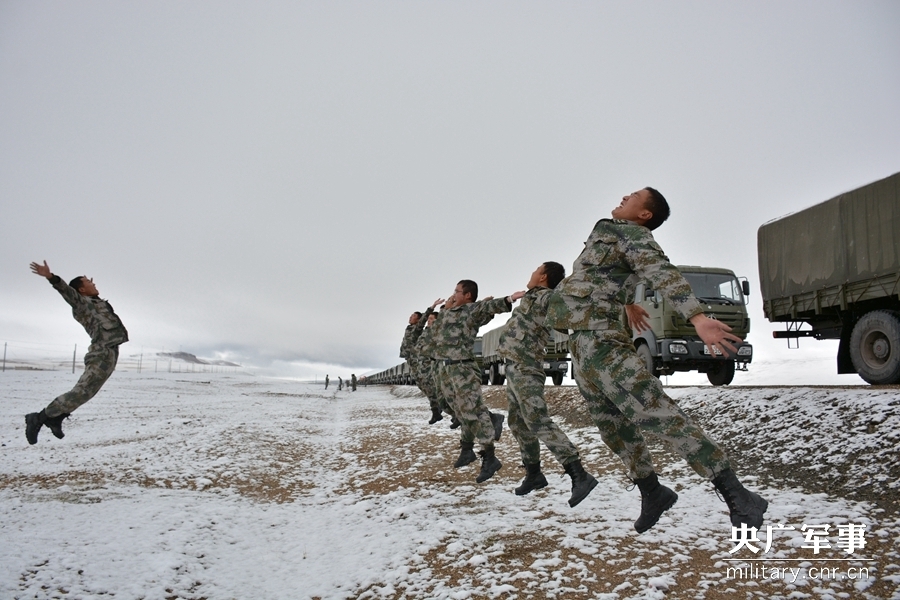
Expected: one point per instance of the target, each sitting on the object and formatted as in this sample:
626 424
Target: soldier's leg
528 383
529 446
464 383
99 364
612 368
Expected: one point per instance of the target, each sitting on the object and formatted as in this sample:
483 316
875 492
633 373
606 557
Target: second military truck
672 343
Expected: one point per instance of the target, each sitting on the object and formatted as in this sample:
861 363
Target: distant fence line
32 356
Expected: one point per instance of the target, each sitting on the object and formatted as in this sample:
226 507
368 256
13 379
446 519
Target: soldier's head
414 318
431 318
645 207
548 275
84 285
466 291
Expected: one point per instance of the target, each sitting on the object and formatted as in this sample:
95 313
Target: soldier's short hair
555 273
469 287
76 283
418 314
659 207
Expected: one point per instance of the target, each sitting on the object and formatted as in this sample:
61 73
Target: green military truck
835 267
672 343
555 363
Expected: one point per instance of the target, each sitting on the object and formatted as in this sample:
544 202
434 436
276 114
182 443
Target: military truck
555 363
835 267
672 343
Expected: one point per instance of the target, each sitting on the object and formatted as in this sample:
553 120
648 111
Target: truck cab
672 343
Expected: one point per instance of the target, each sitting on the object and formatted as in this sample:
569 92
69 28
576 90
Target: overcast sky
283 183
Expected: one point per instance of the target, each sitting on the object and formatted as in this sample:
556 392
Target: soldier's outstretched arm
42 270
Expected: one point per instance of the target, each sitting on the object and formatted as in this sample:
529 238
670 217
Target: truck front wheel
875 347
557 378
644 352
722 374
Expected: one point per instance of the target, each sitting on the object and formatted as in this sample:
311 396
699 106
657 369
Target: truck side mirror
745 287
649 293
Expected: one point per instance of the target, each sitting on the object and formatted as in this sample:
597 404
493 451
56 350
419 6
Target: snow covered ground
226 486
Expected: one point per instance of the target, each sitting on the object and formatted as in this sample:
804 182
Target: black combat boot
497 420
582 482
534 479
744 505
454 422
55 425
489 464
466 454
435 416
33 424
655 500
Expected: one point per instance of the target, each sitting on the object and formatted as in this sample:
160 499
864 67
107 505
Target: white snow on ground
230 486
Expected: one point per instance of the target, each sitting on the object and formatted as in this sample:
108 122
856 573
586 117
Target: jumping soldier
622 395
107 334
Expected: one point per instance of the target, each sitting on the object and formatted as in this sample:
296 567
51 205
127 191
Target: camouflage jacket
455 338
617 254
526 336
95 315
412 333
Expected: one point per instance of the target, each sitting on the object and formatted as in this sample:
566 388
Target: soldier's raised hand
515 296
637 317
42 270
715 334
436 302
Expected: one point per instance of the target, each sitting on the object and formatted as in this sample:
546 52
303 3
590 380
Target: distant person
326 382
460 376
522 346
623 397
107 334
353 382
340 383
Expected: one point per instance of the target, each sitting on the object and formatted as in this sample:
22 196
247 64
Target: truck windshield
715 287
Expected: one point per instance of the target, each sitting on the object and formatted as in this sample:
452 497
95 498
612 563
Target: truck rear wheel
722 373
496 377
875 347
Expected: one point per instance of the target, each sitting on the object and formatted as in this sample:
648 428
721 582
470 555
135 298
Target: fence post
73 358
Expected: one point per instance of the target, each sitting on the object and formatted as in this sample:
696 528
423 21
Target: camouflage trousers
529 419
460 385
99 364
421 370
624 399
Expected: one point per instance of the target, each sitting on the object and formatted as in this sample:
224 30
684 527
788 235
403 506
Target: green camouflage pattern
616 256
95 315
525 338
99 363
454 339
412 334
461 385
529 419
624 398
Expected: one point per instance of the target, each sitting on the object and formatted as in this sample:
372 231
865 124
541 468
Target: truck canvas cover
849 239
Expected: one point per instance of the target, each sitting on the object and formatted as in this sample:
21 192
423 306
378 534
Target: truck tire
557 378
496 377
722 373
644 352
485 377
875 347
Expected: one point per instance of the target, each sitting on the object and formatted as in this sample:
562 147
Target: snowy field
220 486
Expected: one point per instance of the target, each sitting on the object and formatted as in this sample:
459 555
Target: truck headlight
545 366
677 349
745 351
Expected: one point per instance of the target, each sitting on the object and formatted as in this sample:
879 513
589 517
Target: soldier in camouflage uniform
522 346
622 396
416 362
107 334
427 365
460 377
